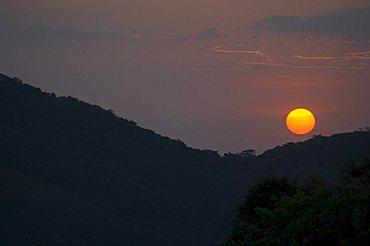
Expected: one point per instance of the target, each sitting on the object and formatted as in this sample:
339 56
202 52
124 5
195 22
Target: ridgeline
72 173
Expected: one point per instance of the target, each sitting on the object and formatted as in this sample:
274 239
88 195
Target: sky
220 74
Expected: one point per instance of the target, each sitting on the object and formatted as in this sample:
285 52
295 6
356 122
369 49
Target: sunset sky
218 74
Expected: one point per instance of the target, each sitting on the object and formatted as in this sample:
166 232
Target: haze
216 74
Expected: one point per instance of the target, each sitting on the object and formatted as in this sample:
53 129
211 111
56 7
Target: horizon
360 129
173 122
73 173
217 75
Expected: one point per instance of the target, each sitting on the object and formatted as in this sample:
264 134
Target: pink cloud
362 55
315 58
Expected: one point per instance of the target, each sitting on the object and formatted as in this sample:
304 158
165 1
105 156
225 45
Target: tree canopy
279 212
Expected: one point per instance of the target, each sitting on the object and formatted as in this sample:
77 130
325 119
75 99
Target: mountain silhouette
72 173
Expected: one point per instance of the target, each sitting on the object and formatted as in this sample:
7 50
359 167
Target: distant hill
72 173
321 156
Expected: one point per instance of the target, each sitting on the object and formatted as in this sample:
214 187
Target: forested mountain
72 173
321 156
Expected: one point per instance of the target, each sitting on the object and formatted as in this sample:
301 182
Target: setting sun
300 121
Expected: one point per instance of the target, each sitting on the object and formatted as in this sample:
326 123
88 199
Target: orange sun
300 121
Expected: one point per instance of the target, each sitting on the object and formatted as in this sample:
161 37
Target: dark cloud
211 33
352 24
206 34
54 34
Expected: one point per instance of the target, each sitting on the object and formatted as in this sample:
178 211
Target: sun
300 121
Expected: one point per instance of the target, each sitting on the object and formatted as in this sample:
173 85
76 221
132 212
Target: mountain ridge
99 178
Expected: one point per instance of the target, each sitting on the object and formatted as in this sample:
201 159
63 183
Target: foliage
277 213
72 173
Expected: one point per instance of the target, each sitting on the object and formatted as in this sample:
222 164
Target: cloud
206 34
217 68
259 53
219 49
362 55
139 35
266 64
351 56
54 34
211 33
316 58
258 59
353 25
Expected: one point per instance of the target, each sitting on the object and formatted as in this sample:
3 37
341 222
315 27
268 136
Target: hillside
322 156
73 173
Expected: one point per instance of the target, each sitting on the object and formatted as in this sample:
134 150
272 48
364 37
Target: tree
248 153
248 225
277 213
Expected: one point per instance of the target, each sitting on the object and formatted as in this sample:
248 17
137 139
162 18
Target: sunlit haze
219 75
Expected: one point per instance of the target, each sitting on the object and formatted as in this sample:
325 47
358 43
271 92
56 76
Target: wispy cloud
212 33
352 25
257 58
144 36
244 65
302 66
218 48
259 53
203 69
362 55
217 68
351 56
315 58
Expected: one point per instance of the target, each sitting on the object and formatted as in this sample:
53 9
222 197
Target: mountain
72 173
319 156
